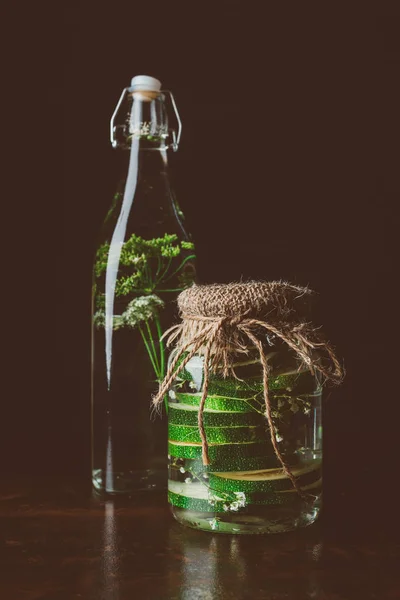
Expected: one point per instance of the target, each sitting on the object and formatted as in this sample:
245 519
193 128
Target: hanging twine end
205 457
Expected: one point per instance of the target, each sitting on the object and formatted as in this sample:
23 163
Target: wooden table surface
60 541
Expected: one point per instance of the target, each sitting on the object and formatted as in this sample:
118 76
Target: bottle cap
145 83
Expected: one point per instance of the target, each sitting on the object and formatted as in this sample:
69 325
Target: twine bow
219 338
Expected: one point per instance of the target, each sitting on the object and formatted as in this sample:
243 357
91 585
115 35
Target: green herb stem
162 356
149 352
153 348
158 266
160 278
180 266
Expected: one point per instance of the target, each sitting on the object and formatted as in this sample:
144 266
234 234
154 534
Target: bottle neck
144 115
147 193
148 122
152 161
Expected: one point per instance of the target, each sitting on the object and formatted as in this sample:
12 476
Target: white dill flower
234 506
214 524
145 129
118 322
192 385
141 309
188 480
99 320
225 507
211 499
182 470
241 499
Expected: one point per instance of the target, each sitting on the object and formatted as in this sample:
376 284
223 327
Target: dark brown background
288 168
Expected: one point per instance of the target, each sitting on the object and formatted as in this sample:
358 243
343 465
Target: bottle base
129 481
278 520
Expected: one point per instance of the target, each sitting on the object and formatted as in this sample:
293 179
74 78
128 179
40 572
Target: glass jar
244 488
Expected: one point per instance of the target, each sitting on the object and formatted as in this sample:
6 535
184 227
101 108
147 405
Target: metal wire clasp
176 137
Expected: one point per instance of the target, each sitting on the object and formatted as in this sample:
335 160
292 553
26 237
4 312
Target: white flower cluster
234 506
99 320
240 502
142 308
241 498
212 498
214 523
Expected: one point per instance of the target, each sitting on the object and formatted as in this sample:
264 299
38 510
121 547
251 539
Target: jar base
277 520
127 482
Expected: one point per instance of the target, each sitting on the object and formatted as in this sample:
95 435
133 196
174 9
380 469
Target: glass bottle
144 258
244 489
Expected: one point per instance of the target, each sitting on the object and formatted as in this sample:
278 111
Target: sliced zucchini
298 382
223 403
233 462
198 497
219 453
270 480
217 435
185 414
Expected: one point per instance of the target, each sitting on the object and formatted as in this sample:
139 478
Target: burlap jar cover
221 322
